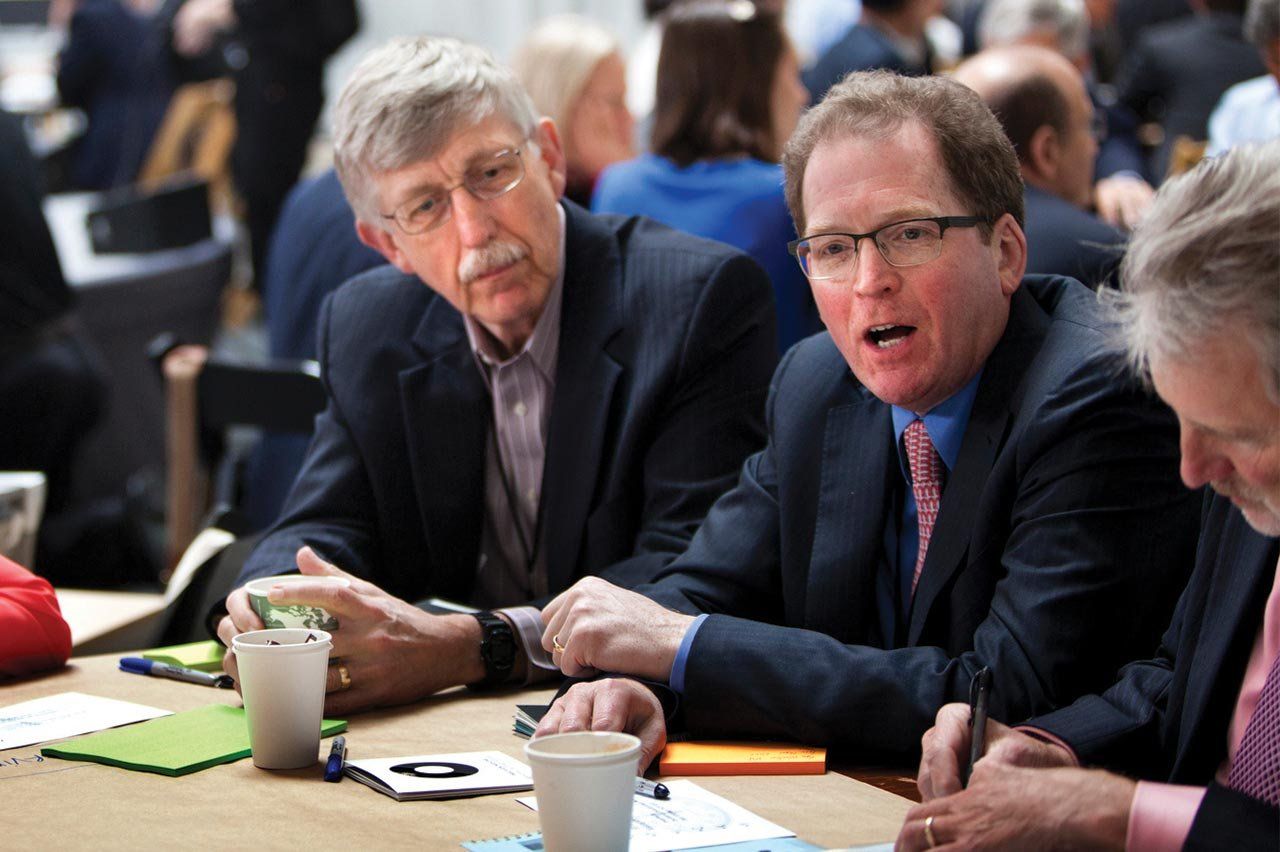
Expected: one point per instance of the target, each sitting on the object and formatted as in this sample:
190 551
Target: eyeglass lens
487 180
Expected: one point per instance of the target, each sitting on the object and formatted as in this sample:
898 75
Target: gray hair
406 100
557 59
1206 260
1262 23
1005 22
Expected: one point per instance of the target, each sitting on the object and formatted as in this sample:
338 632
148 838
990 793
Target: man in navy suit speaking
958 472
527 395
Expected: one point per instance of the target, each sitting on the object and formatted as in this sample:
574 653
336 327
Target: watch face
500 649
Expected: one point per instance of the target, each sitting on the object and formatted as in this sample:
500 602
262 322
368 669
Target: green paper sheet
203 656
173 745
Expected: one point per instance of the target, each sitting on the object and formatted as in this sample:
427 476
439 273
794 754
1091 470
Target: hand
1122 200
1011 807
604 628
198 22
613 704
944 749
393 652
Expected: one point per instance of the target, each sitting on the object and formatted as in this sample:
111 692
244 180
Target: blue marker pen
337 756
142 666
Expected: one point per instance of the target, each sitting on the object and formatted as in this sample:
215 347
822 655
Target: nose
472 218
1201 461
872 274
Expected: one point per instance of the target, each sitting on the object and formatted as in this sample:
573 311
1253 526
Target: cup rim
291 579
242 643
535 749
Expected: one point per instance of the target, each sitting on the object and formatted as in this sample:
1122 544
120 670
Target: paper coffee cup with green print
291 615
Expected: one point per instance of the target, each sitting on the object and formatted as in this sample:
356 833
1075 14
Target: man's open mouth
889 335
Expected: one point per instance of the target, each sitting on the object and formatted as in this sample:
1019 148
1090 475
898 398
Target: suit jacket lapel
1242 580
446 411
586 374
999 395
854 504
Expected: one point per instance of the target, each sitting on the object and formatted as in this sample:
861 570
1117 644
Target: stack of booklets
442 776
527 718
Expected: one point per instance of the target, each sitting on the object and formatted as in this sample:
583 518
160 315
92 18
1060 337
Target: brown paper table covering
56 804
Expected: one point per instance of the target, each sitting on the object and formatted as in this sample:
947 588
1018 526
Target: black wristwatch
497 649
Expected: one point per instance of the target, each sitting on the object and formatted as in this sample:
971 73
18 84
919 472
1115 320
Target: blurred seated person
1121 193
1250 111
889 34
1042 104
35 635
52 390
528 394
314 249
115 67
1180 69
1188 741
573 70
714 170
952 480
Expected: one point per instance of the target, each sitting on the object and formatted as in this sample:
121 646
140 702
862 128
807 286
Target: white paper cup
283 690
296 615
585 783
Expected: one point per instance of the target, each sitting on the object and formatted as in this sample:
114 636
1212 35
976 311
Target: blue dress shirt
945 423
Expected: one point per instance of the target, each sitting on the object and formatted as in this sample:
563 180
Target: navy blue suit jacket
1167 717
862 48
666 346
1062 541
1062 239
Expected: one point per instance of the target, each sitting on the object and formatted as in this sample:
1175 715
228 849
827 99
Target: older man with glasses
958 473
529 395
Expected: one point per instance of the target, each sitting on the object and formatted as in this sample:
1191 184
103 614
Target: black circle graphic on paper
435 770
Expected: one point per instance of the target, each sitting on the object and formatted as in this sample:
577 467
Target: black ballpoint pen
979 697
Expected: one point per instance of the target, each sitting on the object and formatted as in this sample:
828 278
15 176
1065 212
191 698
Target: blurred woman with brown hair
728 97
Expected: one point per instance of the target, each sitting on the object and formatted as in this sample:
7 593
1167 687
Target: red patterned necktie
1256 768
926 486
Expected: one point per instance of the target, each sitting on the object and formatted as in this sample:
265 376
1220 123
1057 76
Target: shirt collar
543 345
945 422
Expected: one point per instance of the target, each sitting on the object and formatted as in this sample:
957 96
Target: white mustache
493 256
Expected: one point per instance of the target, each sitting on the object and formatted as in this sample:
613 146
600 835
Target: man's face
494 260
1230 427
1078 145
912 335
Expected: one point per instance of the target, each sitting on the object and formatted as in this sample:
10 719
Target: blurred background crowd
164 167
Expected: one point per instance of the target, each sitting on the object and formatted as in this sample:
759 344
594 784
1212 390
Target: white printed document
67 714
692 817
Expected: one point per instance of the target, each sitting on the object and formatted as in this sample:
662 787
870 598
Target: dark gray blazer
1063 539
666 346
1167 717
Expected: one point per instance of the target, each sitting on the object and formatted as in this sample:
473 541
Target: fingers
241 615
943 750
232 667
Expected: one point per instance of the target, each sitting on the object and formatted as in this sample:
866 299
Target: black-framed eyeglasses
910 242
486 180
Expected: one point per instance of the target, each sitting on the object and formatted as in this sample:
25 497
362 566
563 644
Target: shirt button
532 494
520 409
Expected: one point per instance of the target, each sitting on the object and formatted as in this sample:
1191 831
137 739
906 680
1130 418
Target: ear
384 243
1043 154
552 153
1010 245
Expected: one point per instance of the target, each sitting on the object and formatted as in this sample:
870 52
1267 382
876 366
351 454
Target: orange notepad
743 758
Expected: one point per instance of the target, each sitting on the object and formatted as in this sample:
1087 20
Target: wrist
673 633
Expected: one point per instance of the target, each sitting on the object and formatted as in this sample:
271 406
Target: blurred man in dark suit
889 35
1042 104
1200 721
